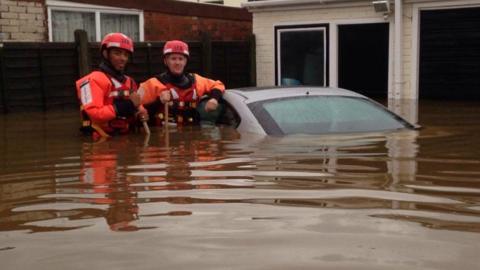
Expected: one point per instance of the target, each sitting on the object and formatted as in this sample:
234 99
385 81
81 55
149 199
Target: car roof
253 94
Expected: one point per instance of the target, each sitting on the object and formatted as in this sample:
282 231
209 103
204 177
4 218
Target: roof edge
287 3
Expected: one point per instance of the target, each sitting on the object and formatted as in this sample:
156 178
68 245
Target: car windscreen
323 114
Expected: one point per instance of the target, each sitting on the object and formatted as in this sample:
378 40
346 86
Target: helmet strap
105 53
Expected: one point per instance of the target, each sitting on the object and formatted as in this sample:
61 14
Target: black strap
184 81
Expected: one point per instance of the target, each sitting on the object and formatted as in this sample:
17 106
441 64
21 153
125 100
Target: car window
323 114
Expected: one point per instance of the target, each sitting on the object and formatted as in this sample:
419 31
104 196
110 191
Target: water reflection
213 188
99 176
112 179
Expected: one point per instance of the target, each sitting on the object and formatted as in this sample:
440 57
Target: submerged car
306 110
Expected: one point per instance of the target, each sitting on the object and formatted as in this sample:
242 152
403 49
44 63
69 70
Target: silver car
306 110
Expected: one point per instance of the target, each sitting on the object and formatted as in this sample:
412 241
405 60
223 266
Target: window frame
279 29
95 9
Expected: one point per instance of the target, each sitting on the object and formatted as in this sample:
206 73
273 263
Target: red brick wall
177 8
160 26
166 19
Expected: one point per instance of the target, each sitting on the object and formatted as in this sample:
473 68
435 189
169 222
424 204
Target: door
363 58
450 54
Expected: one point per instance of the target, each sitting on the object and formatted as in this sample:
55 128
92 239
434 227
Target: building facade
22 20
400 49
143 20
231 3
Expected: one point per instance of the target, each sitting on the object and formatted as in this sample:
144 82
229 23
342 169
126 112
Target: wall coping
176 8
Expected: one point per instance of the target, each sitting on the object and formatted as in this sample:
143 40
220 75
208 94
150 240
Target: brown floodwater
211 198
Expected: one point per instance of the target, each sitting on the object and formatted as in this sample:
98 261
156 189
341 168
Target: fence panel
59 70
38 75
147 59
21 75
41 76
231 63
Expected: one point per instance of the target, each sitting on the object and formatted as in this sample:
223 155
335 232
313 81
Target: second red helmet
176 46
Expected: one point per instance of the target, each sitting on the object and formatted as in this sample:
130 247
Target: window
97 21
127 24
65 22
301 55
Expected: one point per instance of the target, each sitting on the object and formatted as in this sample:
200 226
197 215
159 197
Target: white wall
351 12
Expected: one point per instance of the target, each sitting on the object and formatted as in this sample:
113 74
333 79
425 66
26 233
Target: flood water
212 198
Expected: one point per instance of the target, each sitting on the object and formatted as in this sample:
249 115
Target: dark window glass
302 57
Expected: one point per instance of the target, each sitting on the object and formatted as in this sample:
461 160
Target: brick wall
23 20
161 26
167 19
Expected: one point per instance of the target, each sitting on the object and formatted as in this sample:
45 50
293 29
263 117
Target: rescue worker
181 90
109 102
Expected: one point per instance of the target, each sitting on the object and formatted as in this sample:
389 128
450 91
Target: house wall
167 26
347 12
166 19
27 20
22 20
232 3
265 21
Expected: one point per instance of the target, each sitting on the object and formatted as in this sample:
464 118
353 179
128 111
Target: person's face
117 57
176 63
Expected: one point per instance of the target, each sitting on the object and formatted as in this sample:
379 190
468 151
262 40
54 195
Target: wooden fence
41 76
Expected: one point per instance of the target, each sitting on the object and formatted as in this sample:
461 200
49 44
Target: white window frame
334 47
333 43
97 10
293 28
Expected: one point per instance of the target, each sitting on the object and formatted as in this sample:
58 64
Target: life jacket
106 123
183 105
184 101
186 96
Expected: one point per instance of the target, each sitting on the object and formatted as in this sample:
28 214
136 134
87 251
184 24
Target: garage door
450 54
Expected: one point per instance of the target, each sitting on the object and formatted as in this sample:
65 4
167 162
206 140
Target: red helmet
117 40
176 46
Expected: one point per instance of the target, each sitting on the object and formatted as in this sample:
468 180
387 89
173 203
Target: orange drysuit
104 102
185 93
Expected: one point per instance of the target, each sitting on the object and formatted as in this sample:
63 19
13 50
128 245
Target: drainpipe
398 64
